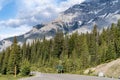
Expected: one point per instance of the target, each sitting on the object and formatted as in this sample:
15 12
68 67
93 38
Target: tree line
74 52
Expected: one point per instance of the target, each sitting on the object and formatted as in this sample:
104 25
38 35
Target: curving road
43 76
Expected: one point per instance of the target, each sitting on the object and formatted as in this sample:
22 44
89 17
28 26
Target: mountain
100 12
80 17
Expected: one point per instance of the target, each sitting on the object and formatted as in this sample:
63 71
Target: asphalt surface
43 76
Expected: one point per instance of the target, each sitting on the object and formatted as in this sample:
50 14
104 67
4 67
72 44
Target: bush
3 71
25 68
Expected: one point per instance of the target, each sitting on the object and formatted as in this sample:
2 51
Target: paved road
43 76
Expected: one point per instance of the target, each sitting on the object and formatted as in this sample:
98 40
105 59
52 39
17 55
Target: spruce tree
84 52
111 54
93 47
5 61
58 46
14 59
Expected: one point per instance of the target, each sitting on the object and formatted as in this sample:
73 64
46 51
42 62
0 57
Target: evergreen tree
111 54
2 56
71 44
14 59
85 57
93 46
5 61
24 51
58 46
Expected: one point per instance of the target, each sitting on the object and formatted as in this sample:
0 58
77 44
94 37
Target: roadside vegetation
9 77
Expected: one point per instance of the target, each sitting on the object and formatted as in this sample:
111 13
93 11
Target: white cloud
69 3
43 10
32 12
6 31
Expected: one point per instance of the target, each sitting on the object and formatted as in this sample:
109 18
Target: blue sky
8 11
18 16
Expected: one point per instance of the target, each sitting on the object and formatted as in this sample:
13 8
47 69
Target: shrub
25 68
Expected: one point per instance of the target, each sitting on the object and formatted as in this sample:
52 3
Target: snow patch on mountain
67 18
114 2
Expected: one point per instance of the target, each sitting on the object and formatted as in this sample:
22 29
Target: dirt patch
111 69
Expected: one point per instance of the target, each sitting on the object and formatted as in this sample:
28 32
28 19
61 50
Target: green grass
9 77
